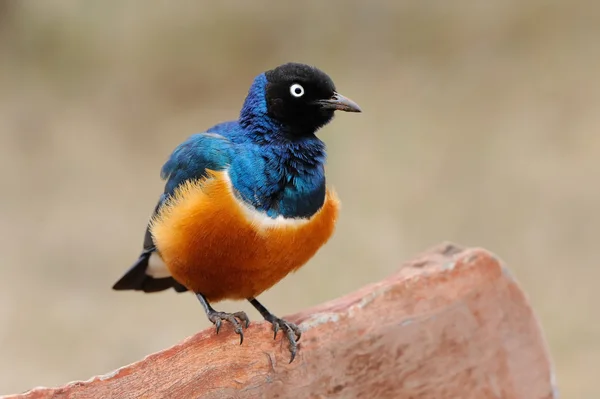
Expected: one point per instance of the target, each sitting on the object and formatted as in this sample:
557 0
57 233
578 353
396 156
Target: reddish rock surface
452 323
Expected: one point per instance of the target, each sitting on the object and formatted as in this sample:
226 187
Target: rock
451 323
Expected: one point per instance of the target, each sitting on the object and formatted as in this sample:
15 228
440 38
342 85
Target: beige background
480 126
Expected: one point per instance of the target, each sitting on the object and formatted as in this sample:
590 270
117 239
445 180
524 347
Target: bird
245 202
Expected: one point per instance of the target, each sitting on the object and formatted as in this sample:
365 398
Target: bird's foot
217 317
291 331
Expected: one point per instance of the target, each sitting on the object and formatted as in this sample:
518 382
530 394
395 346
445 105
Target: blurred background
480 126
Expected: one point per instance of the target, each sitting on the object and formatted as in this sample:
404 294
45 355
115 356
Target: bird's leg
291 330
216 317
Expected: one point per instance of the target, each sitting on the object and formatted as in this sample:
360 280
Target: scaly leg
291 330
216 317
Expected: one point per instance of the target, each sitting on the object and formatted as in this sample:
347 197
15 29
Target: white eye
297 90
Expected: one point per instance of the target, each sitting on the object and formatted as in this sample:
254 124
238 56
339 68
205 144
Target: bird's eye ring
296 90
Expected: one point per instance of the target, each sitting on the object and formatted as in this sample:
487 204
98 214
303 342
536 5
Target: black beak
340 103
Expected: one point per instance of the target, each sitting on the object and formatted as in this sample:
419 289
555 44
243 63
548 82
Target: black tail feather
136 278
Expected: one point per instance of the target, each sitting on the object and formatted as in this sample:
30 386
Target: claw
243 317
293 343
293 352
217 317
296 331
292 333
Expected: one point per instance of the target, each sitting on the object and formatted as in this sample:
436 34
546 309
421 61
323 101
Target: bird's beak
340 103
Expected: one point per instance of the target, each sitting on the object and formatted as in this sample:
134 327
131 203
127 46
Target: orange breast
215 244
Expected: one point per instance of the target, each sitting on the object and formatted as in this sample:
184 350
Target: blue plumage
272 168
192 157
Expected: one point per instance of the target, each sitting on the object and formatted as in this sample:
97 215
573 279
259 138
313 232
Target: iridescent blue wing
189 160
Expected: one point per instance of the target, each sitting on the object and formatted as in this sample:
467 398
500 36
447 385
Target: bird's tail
136 278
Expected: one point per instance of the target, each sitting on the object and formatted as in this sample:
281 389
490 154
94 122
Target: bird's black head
303 97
